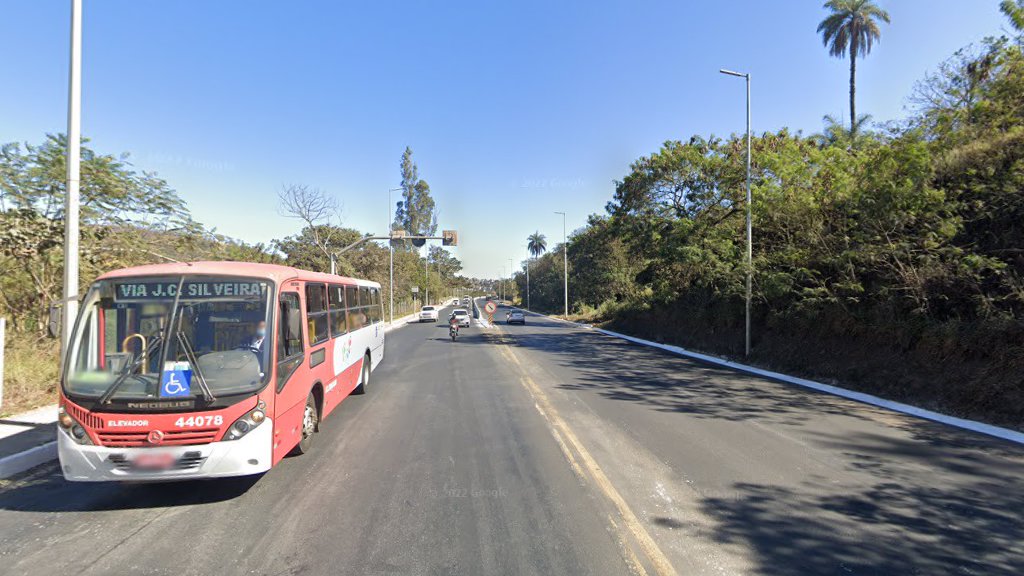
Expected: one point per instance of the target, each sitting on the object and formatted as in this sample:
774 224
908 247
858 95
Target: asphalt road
549 449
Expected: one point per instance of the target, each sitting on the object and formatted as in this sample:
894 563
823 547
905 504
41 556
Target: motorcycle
453 330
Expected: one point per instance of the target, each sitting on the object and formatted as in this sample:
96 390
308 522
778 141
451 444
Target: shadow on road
905 496
890 527
47 491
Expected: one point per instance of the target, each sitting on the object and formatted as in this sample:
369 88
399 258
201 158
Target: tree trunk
853 86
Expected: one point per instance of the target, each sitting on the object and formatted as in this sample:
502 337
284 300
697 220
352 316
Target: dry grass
30 373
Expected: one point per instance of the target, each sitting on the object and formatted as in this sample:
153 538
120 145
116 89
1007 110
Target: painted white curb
15 463
972 425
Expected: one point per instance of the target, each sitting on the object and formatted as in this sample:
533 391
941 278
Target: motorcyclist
453 325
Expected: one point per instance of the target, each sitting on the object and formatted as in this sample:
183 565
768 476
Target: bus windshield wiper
190 355
129 368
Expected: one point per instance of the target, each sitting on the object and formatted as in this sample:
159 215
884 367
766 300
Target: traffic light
449 238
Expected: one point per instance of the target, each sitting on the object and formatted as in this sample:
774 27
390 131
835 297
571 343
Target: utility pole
73 164
750 239
565 264
511 275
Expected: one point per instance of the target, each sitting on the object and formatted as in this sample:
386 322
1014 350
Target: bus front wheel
310 418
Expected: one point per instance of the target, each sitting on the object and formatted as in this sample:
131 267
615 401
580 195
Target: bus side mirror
295 324
53 322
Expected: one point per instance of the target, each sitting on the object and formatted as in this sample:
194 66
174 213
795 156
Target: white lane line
559 427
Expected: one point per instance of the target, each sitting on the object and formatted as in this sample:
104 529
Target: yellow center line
563 436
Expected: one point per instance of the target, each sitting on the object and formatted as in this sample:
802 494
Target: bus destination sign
235 289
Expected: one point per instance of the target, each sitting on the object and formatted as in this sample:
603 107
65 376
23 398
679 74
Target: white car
428 314
462 315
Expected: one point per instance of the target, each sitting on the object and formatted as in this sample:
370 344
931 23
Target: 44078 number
199 421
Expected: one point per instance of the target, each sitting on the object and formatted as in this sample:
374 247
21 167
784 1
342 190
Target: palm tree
835 134
537 244
851 28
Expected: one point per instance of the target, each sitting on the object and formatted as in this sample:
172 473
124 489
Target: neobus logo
161 405
125 423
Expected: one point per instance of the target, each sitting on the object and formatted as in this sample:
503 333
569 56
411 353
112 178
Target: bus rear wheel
310 419
364 379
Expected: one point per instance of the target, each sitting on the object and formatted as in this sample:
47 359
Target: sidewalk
29 439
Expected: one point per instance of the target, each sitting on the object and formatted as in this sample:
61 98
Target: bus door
291 387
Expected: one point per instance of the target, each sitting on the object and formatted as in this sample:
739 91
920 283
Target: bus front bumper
250 454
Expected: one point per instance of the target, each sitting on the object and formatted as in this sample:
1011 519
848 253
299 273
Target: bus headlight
73 428
247 422
65 419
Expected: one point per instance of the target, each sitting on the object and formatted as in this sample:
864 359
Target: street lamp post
73 169
391 261
565 264
511 275
529 256
750 241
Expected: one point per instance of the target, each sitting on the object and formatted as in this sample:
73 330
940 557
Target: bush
30 373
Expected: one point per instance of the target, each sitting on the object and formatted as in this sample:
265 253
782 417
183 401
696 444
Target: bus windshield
136 338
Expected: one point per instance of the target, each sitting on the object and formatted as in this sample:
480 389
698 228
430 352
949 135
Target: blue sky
513 110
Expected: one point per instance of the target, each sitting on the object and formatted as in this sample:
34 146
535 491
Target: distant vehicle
428 314
210 369
466 300
462 315
516 317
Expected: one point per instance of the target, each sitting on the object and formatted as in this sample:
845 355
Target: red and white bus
210 369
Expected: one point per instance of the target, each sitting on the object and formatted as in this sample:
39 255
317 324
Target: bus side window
316 312
375 308
352 305
336 302
364 306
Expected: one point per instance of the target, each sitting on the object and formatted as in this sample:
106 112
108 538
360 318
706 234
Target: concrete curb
971 425
15 463
399 322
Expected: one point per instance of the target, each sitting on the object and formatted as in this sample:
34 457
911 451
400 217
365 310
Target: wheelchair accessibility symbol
176 383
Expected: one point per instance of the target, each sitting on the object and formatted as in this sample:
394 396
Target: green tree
415 212
128 217
1014 10
852 29
835 134
536 243
310 249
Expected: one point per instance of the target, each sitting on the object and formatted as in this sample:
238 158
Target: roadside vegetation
888 258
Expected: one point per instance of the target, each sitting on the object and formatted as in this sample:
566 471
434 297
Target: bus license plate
156 461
